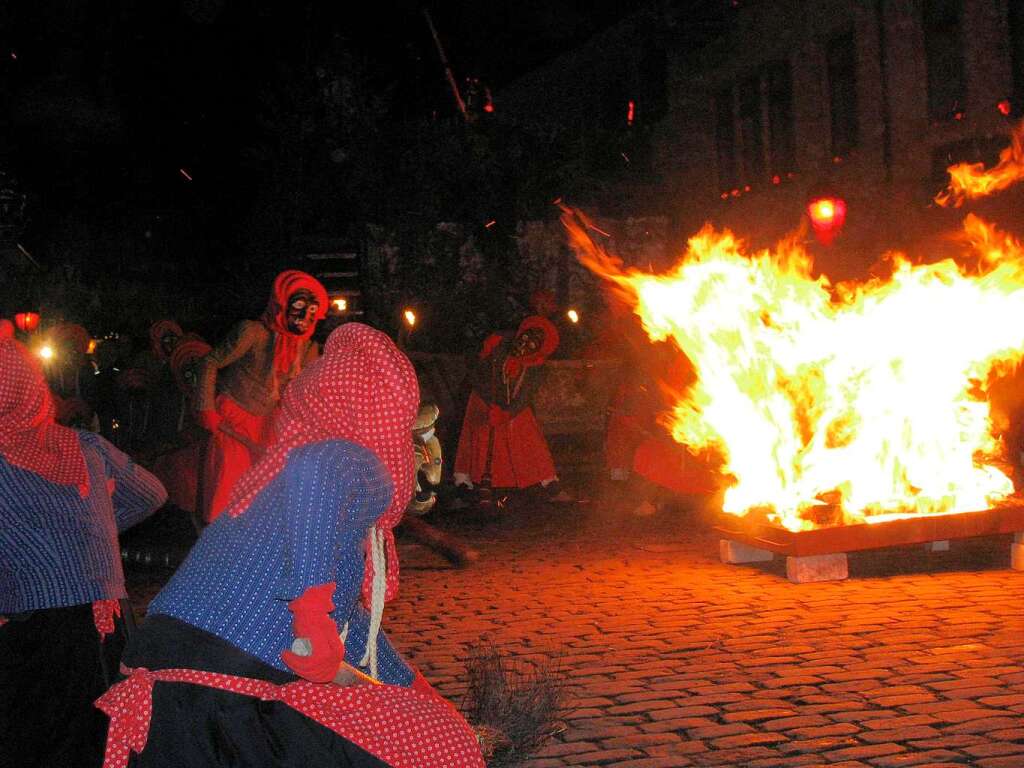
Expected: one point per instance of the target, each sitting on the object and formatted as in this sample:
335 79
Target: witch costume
64 496
500 436
236 661
241 381
178 468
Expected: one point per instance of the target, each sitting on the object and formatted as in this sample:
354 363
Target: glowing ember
864 399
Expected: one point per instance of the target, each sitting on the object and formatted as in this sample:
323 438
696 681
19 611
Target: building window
751 130
782 143
725 141
944 57
1016 26
841 57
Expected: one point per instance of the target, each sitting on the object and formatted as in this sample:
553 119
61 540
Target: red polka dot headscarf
363 389
29 436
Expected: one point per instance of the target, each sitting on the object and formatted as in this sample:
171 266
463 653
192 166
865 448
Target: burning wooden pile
819 554
844 416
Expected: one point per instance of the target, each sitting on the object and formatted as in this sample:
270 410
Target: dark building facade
873 99
767 100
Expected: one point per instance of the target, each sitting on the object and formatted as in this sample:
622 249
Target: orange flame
969 181
867 397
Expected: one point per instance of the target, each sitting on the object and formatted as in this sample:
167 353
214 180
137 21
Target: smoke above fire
870 398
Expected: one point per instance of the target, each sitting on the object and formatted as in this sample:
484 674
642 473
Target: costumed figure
429 463
71 379
164 336
162 424
65 494
133 409
640 450
259 651
501 444
241 382
105 390
178 467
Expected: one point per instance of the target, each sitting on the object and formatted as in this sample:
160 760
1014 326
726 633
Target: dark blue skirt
194 726
53 666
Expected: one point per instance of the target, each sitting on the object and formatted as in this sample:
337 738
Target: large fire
868 399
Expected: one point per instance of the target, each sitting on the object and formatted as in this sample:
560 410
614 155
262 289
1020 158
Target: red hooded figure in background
501 439
164 335
241 381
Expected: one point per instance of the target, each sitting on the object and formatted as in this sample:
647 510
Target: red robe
499 424
520 454
636 441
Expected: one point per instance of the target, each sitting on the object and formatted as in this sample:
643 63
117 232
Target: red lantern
27 321
828 214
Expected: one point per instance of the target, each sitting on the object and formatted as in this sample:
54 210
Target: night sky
104 96
193 148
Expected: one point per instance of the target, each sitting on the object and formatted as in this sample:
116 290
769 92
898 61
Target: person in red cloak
501 442
638 448
242 379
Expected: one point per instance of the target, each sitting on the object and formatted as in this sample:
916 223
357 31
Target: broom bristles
513 705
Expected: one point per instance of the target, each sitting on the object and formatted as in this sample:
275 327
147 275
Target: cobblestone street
675 659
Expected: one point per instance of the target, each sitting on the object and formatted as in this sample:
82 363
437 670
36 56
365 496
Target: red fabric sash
423 729
103 613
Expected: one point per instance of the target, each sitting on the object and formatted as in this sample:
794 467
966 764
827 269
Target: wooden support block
730 551
1017 556
937 546
801 570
